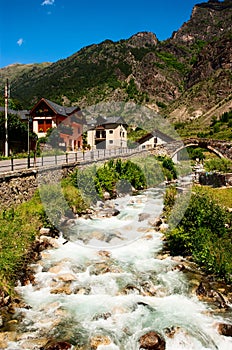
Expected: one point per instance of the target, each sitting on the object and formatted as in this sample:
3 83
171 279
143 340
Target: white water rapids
119 288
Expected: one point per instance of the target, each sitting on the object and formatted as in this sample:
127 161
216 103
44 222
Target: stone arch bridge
222 149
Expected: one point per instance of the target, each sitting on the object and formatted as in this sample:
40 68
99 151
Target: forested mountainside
185 77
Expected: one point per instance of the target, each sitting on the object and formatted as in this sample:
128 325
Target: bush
93 182
204 232
218 164
169 169
195 153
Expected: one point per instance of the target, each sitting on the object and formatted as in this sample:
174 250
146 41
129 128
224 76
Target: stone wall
18 187
215 179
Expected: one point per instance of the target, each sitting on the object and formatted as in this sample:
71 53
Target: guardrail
15 164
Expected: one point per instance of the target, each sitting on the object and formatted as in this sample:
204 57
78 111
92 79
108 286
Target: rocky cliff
183 77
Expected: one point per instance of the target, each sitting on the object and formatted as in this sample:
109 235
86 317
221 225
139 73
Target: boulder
57 345
6 337
156 222
97 340
104 253
45 231
201 290
204 291
143 216
106 195
163 227
225 329
62 290
67 277
152 341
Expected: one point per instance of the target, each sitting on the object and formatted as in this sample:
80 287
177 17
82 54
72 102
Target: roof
114 120
105 121
62 110
23 115
155 133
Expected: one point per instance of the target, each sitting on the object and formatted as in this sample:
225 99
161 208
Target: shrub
93 182
204 232
218 164
169 169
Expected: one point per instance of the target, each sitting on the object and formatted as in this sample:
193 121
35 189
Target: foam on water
122 294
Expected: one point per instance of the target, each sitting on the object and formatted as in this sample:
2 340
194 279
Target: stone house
107 133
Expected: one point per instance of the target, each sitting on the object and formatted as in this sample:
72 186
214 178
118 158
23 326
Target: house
107 133
68 121
151 140
23 115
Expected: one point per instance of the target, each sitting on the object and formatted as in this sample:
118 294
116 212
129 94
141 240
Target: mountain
185 77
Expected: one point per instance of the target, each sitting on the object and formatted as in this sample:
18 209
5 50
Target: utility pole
6 118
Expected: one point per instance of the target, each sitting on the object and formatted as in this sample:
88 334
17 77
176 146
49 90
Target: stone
56 269
104 253
179 267
115 212
225 329
67 277
57 345
106 195
62 290
6 337
156 222
201 290
148 237
163 227
98 340
46 240
44 231
143 216
152 341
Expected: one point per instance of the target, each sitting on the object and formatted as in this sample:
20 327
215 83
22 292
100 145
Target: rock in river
152 341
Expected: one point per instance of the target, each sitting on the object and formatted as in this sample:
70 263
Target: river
108 283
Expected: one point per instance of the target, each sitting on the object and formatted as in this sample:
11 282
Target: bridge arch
194 144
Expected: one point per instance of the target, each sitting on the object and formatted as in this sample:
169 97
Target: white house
151 140
107 133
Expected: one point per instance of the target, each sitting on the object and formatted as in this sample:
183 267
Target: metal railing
81 157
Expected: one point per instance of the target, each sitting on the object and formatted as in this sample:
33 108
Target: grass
19 227
223 196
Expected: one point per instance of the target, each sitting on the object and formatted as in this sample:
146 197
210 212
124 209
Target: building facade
107 133
153 139
67 120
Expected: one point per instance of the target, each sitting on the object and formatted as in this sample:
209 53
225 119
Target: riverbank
24 240
204 232
81 298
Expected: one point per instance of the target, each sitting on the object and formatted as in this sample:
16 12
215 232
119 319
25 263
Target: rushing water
111 279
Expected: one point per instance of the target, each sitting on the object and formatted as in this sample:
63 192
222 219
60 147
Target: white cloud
20 41
48 2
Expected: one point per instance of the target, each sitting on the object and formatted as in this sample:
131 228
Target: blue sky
34 31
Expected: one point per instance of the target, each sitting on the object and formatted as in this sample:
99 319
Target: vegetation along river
108 285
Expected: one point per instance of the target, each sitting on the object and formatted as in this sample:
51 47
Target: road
71 157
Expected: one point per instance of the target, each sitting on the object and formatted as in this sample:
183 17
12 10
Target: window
111 131
111 141
44 125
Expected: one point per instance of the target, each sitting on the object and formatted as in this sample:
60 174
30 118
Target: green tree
17 132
